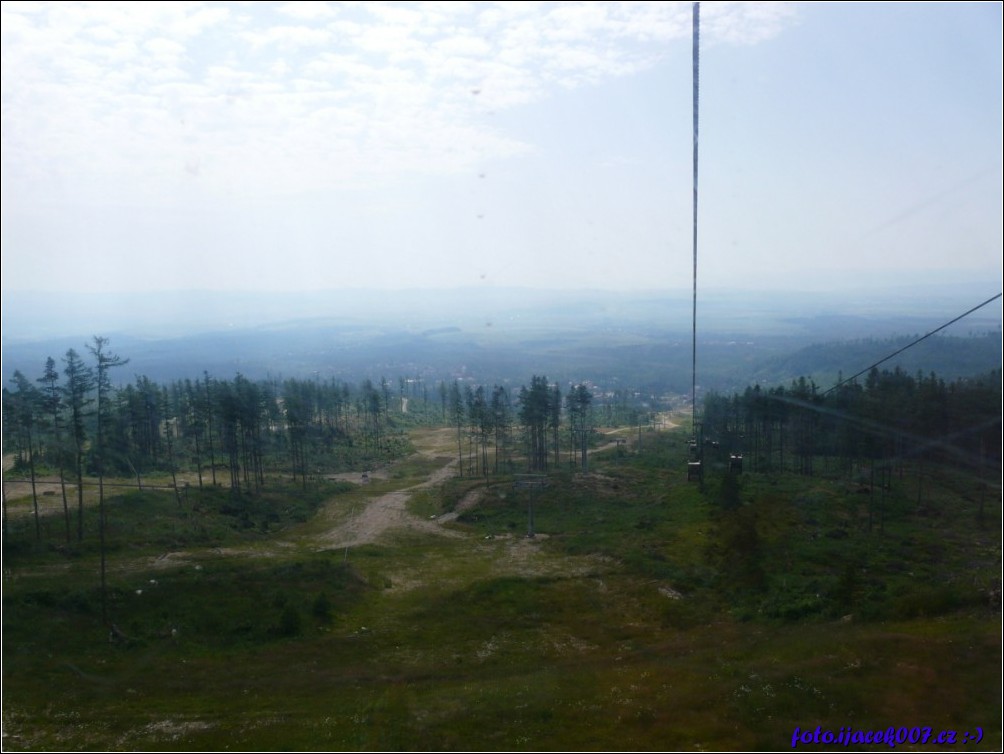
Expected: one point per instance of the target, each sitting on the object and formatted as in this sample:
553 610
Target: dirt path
469 500
388 512
384 513
374 517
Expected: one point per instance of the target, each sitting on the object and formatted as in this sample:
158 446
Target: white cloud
124 94
311 10
164 51
745 23
462 45
204 110
578 22
395 15
289 36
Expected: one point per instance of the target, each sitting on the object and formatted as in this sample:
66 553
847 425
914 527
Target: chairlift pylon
694 469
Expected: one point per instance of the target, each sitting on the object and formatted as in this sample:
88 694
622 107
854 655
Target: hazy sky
311 145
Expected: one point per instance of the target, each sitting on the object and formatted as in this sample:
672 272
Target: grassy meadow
648 613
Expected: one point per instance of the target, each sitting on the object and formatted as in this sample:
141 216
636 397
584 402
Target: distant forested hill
639 340
949 357
652 361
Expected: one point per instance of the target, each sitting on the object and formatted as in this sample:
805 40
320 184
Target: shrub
290 623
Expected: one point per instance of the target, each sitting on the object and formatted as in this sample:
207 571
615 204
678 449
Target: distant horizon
31 316
507 336
848 281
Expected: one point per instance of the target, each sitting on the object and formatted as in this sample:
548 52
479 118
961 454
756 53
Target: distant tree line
890 417
234 432
238 432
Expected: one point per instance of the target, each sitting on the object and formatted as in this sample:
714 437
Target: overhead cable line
693 354
910 345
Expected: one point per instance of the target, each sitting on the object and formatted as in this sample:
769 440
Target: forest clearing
414 612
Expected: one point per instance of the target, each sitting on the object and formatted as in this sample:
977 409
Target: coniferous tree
554 419
53 403
501 421
27 405
104 361
193 424
229 419
471 431
578 403
170 433
535 412
296 408
207 407
457 413
442 397
483 419
79 382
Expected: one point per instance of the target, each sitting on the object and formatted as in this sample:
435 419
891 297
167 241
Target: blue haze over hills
637 339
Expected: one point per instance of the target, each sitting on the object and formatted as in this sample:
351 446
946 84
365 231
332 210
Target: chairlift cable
693 354
910 345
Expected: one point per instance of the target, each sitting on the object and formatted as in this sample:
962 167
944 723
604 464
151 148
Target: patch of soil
385 513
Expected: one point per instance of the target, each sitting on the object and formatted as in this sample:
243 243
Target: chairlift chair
694 471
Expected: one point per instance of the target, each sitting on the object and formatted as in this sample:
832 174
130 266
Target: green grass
644 616
212 516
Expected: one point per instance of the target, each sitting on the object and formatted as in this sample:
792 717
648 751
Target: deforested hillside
310 564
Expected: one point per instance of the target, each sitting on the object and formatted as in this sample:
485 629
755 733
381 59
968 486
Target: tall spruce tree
104 361
79 382
27 405
53 404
